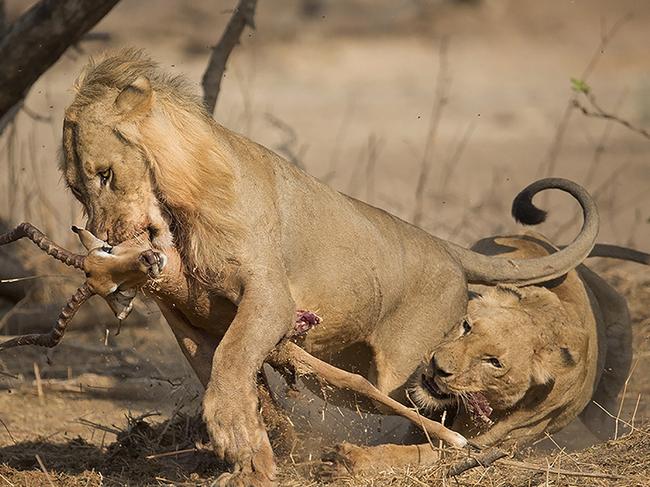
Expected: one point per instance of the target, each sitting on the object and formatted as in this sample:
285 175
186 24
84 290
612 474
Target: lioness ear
541 374
136 98
88 240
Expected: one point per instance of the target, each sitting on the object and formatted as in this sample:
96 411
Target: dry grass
143 454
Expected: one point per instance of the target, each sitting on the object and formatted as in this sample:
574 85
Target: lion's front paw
238 436
152 263
344 460
241 479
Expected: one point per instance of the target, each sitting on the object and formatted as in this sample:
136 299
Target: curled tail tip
525 212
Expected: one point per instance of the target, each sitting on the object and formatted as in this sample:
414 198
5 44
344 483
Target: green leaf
580 86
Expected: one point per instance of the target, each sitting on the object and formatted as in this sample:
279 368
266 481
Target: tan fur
248 235
562 349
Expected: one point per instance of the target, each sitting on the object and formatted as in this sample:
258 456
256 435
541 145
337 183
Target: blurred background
438 111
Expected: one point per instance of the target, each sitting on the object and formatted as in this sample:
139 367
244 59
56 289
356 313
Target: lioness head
141 155
510 342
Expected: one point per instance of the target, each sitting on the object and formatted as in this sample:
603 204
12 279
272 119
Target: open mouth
479 408
432 388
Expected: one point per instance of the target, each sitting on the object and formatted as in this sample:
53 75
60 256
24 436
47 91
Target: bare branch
439 104
483 459
242 16
37 39
597 112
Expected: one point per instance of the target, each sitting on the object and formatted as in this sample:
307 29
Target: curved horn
52 338
35 235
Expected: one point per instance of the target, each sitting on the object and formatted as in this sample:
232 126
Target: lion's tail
483 269
618 252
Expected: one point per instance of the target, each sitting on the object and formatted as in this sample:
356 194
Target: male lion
256 235
524 361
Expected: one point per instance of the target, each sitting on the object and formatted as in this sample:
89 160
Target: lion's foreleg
347 459
197 345
265 314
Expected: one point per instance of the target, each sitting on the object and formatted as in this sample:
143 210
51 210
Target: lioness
143 157
524 361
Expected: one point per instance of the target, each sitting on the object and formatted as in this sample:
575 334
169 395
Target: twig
287 147
242 16
7 480
483 459
39 383
597 112
42 465
558 471
554 151
8 432
426 433
632 428
98 426
171 453
436 114
620 406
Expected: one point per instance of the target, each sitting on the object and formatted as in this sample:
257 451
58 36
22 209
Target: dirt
347 93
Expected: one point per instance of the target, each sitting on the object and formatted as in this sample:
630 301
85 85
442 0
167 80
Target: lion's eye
105 176
494 362
467 327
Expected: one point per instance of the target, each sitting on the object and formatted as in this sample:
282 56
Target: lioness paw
343 460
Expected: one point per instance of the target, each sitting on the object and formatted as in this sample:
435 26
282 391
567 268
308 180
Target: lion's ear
540 368
507 294
136 98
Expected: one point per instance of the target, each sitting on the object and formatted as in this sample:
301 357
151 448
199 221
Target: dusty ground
347 94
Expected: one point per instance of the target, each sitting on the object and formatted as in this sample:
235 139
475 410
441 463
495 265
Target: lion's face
498 353
109 173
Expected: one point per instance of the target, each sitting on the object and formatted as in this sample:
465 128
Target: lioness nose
437 370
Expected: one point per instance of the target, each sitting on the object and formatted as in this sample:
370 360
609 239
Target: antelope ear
136 98
88 240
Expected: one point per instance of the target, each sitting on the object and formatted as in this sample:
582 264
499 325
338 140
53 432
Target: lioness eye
494 362
466 327
105 176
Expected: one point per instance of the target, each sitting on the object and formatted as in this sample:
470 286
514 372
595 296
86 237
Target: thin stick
554 151
171 453
436 115
620 406
8 432
426 433
42 465
633 428
484 459
598 112
7 480
636 407
242 16
39 383
558 471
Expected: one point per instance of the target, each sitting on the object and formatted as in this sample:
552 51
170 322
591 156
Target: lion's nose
437 370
